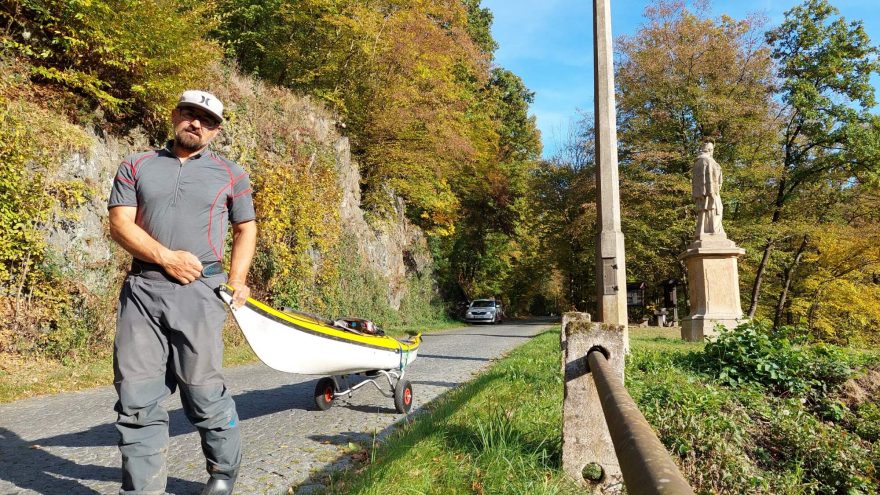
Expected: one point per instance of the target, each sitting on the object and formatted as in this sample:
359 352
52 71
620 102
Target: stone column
586 441
610 264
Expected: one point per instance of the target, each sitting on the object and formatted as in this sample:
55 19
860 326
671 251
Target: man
706 184
170 209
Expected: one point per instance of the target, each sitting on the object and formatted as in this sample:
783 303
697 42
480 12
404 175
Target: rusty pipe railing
645 464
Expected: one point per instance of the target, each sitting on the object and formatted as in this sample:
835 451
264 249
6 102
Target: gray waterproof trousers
168 334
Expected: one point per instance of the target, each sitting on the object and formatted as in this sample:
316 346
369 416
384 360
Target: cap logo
204 100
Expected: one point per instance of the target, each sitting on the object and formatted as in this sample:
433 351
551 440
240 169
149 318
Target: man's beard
189 142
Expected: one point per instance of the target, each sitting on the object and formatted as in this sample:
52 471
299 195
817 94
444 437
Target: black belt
156 272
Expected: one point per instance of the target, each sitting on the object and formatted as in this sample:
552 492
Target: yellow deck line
379 341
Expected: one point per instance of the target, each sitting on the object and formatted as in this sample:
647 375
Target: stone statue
706 182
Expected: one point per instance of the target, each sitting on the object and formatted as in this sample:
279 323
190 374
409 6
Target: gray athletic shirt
185 206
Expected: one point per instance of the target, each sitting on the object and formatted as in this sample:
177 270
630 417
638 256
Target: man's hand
182 265
240 293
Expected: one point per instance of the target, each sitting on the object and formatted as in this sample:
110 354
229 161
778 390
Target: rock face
82 247
79 239
395 247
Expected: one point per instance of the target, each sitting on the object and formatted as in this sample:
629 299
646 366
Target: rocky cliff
392 248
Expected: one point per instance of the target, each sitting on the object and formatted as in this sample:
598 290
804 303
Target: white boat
297 343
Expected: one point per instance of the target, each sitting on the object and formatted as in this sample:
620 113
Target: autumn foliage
790 111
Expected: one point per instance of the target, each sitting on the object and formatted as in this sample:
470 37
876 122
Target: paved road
66 444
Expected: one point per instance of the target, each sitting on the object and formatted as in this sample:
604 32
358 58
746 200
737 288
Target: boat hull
295 344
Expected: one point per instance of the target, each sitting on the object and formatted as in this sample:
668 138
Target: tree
406 76
131 58
836 295
685 78
826 127
562 196
480 26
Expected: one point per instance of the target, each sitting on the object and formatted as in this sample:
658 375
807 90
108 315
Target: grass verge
501 433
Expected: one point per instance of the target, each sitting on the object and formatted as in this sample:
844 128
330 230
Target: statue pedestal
713 286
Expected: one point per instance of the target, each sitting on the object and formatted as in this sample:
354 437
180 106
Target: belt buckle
212 269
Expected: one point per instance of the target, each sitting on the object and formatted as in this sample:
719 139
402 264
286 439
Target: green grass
498 434
501 432
400 330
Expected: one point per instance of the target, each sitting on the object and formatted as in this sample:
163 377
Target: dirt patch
861 389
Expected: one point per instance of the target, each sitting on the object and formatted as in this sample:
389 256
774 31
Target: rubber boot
219 487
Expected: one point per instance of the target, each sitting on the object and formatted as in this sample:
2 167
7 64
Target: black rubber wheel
324 391
403 396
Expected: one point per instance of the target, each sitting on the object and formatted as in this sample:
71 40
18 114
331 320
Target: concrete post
585 436
610 263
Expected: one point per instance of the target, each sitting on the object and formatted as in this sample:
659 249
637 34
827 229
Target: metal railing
644 462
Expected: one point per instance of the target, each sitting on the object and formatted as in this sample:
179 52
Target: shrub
129 57
43 310
32 144
831 460
753 353
867 422
742 440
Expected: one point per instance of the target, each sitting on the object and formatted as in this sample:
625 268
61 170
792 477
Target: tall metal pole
611 267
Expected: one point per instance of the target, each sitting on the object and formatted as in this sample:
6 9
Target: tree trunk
777 214
786 284
756 287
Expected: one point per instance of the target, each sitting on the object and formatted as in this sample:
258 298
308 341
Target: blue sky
549 44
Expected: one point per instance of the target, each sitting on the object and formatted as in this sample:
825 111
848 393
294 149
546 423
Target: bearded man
170 209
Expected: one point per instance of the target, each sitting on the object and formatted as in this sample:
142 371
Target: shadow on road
28 466
436 383
454 358
344 438
366 409
522 337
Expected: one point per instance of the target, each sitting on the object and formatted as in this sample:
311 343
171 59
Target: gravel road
66 444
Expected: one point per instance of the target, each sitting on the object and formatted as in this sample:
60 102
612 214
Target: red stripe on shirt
135 164
228 170
123 179
211 220
243 193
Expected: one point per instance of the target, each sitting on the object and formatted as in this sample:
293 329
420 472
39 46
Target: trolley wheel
324 391
403 396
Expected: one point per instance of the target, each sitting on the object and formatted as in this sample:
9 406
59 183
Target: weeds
501 432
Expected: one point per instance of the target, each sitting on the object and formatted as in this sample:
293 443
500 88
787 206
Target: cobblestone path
66 444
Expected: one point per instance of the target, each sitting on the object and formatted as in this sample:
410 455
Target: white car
484 310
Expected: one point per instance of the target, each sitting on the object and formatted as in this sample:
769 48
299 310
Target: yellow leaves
299 218
841 301
129 57
33 144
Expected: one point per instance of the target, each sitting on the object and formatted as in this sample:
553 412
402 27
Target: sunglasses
207 122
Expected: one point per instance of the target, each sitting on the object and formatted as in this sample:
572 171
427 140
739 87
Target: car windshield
483 304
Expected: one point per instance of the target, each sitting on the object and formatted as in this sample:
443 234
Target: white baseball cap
204 100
